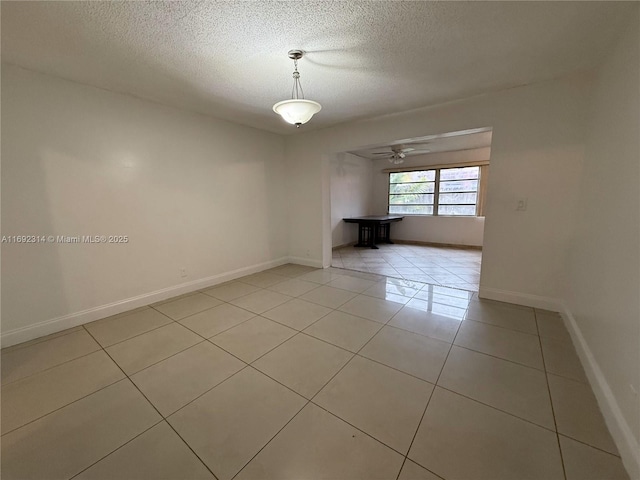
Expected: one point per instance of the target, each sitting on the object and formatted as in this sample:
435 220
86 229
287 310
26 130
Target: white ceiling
364 58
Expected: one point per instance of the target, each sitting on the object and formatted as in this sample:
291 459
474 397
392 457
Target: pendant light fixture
297 110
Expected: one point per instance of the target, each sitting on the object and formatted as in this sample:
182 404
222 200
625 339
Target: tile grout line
424 412
118 448
156 409
308 400
63 406
39 340
553 411
51 368
311 399
588 445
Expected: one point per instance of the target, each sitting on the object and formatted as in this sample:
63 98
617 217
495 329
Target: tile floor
446 266
297 373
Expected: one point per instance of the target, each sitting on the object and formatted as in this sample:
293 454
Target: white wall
537 150
188 190
351 195
604 279
435 229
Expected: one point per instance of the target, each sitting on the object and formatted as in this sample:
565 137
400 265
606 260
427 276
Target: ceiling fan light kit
296 111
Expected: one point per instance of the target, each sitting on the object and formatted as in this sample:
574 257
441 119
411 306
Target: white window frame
481 191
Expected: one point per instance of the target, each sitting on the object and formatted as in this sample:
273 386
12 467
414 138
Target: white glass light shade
297 111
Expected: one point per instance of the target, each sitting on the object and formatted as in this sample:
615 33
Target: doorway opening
437 184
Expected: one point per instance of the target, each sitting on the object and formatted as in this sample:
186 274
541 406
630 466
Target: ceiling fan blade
381 153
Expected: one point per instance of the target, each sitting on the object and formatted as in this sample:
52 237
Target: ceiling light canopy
297 110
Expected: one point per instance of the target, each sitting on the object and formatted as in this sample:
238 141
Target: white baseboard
309 262
526 299
47 327
626 442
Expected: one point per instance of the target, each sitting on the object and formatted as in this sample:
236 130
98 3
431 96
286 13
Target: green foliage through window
443 191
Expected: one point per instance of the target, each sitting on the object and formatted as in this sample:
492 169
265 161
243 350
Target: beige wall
351 195
603 284
189 191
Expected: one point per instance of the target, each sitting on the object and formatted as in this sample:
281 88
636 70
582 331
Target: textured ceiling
228 59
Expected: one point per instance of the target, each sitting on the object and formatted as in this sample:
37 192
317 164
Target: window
438 191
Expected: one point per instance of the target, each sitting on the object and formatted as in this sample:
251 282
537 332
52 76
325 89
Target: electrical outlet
521 206
183 272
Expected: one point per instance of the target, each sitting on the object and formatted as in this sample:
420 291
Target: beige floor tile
419 277
296 313
344 330
353 284
551 325
432 325
388 288
227 426
292 270
231 291
183 307
122 327
328 296
439 298
383 402
172 299
32 397
437 308
179 379
503 316
501 342
513 388
261 301
477 300
144 350
293 287
411 353
321 276
471 287
449 292
253 338
383 270
582 462
303 364
409 270
413 471
371 308
42 339
263 279
71 439
561 359
157 454
461 438
20 363
577 413
216 320
317 445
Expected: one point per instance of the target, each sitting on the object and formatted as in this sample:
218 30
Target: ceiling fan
397 153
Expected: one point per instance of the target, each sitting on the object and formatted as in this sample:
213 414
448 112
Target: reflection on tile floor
303 373
447 266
